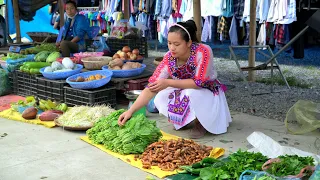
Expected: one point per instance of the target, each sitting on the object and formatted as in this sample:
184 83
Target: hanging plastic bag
4 83
316 174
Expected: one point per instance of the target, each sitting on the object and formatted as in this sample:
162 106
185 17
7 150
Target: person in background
185 86
75 29
56 24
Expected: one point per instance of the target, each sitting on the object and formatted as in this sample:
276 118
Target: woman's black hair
72 2
191 27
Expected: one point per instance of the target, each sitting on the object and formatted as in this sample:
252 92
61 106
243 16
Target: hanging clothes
166 8
223 28
189 11
290 13
177 13
157 7
211 8
206 30
227 10
233 34
238 6
262 12
261 40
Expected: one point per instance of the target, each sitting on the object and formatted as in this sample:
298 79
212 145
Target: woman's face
70 10
177 46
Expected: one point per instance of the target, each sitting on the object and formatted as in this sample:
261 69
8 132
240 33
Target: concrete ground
31 152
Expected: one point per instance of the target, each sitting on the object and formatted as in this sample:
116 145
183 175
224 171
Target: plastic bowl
95 63
126 73
88 54
61 75
73 59
90 84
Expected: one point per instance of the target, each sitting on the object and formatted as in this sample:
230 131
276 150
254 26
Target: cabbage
42 56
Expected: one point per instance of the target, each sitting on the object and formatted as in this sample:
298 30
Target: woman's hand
58 44
124 117
159 85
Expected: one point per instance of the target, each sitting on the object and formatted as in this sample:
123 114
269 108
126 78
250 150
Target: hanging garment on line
290 13
261 40
157 8
189 11
166 9
223 28
262 13
228 9
211 8
206 30
238 6
177 13
233 34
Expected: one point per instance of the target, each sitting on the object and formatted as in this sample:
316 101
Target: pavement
32 152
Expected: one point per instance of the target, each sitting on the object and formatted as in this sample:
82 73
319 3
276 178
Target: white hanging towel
261 40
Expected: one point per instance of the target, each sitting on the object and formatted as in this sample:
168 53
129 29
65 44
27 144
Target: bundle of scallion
84 116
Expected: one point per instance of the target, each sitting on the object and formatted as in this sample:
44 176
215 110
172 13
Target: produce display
33 67
90 78
47 56
171 154
118 64
66 65
84 116
289 165
132 138
13 56
229 168
127 54
42 47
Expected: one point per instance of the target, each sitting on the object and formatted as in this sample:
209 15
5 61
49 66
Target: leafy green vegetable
133 138
229 168
13 56
289 165
264 177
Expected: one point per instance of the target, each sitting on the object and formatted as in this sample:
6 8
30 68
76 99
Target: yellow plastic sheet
14 115
216 153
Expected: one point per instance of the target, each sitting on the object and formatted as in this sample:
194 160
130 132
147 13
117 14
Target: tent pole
61 12
16 20
252 39
197 17
126 14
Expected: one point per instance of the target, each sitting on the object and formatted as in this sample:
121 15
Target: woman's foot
198 131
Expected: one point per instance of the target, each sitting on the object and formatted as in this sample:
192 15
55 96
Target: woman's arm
143 99
182 83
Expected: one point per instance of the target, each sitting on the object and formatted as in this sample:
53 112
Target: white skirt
211 110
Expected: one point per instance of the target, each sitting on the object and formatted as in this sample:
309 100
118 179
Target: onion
115 56
123 55
118 52
136 51
133 57
126 49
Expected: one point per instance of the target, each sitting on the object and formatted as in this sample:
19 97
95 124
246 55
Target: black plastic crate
27 84
13 82
104 95
51 89
116 44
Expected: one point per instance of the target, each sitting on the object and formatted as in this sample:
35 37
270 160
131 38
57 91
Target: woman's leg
198 131
68 47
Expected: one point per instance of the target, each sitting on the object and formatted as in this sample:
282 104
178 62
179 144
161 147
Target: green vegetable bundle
132 138
13 56
42 47
229 168
290 165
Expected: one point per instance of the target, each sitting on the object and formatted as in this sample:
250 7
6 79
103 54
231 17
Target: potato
116 68
126 66
50 115
30 113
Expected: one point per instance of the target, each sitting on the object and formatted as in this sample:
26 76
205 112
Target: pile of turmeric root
171 154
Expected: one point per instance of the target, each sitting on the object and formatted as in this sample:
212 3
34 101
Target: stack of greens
229 168
132 138
290 165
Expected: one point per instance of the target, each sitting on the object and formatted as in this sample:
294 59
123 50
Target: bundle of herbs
290 165
228 168
132 138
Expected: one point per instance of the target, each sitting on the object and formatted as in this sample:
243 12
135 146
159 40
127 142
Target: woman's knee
63 44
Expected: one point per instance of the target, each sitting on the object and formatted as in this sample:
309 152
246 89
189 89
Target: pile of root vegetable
171 154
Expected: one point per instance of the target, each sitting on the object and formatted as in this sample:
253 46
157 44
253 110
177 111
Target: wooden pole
16 20
61 12
252 39
197 17
126 13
